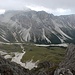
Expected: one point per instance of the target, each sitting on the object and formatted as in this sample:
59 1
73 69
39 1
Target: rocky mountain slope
67 67
37 27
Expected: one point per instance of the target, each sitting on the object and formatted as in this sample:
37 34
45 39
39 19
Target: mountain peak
22 26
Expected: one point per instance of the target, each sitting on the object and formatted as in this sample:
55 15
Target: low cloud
2 11
58 11
57 7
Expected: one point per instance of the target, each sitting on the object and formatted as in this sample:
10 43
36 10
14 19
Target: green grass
53 54
10 48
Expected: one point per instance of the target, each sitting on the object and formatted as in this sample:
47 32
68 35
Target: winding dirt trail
18 56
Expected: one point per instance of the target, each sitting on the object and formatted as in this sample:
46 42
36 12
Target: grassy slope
10 48
53 54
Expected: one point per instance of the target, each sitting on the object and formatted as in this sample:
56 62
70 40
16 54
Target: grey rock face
67 67
69 61
11 68
63 71
37 27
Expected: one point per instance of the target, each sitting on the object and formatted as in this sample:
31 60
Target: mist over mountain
37 27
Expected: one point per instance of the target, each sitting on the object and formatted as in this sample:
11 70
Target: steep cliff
67 67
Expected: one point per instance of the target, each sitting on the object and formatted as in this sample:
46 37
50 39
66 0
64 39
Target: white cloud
58 11
57 7
2 11
37 8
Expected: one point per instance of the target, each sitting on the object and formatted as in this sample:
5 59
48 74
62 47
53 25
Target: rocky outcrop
44 68
63 71
11 68
67 67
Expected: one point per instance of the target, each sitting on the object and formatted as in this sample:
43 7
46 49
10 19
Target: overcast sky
57 7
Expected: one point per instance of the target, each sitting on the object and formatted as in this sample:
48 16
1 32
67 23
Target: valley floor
28 55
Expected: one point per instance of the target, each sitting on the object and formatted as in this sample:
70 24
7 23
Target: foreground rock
11 68
44 68
67 67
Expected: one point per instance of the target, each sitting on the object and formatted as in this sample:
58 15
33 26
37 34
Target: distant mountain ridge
38 27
